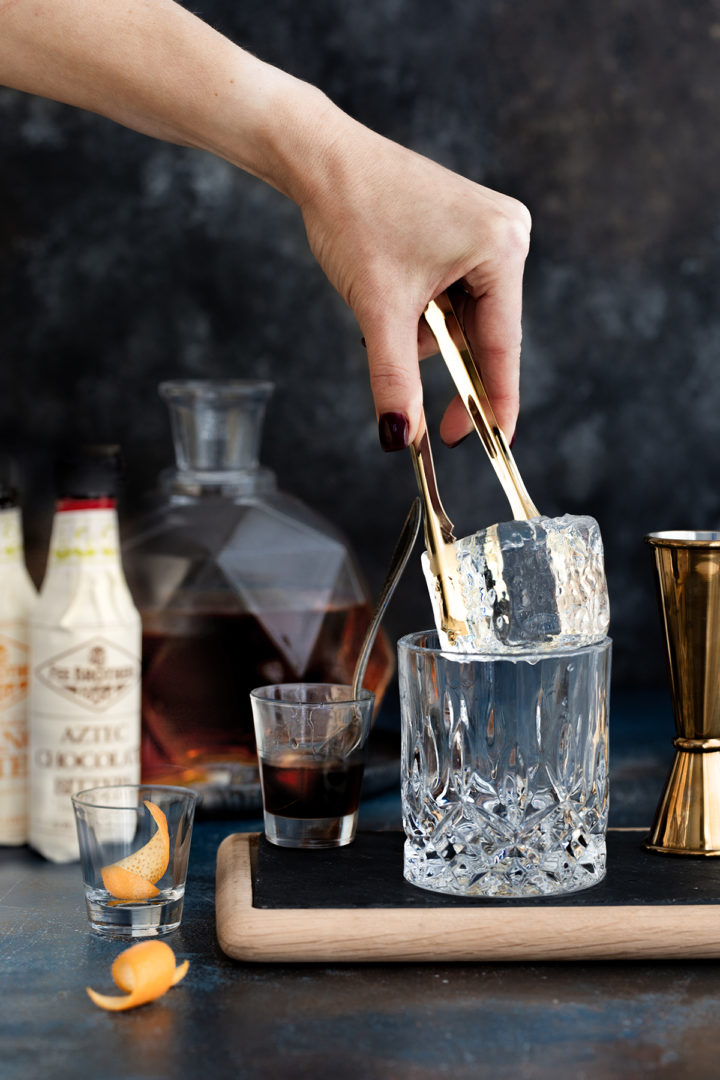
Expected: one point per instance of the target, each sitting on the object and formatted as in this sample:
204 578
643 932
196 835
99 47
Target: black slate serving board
368 874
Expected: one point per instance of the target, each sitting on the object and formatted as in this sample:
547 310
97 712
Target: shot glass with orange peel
134 847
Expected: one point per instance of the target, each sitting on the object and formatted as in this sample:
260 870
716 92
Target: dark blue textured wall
124 261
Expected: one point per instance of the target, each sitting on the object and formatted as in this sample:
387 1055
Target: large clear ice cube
529 585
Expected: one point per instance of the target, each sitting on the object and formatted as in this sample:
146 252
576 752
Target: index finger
492 320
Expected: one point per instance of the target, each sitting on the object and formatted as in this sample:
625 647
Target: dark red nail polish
393 429
363 342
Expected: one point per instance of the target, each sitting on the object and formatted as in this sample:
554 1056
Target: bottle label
86 537
11 538
13 672
95 674
84 687
84 727
13 735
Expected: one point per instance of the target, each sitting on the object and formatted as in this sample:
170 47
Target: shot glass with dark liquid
311 740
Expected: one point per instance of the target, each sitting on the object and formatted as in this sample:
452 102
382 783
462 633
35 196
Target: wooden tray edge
380 935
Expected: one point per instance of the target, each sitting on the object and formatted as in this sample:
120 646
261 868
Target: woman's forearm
153 66
391 229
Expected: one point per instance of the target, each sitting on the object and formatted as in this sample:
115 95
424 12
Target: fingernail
512 441
452 445
393 429
363 342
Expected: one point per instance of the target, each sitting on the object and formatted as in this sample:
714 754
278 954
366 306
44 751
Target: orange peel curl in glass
134 877
145 972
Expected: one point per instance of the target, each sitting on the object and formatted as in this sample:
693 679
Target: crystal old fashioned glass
504 768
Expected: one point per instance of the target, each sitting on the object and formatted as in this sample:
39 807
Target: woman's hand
391 230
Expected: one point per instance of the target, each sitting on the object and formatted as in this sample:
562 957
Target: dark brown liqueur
199 669
313 790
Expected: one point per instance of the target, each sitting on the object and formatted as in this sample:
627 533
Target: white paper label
13 733
85 643
85 729
17 596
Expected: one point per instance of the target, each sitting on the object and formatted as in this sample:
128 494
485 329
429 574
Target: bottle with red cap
85 646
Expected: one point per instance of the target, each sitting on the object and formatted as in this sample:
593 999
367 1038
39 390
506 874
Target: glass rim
80 797
263 694
409 642
684 538
215 388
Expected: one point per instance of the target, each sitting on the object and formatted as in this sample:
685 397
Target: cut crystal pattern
505 783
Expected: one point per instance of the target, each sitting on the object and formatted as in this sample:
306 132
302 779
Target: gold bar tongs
441 316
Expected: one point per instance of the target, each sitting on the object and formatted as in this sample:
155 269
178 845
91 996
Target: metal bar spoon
401 554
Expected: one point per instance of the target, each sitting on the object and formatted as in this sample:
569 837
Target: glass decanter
239 585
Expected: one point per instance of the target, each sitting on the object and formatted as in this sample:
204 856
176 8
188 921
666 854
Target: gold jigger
687 576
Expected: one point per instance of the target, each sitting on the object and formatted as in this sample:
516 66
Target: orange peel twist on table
145 972
134 877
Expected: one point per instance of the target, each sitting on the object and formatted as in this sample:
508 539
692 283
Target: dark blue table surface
520 1021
